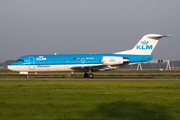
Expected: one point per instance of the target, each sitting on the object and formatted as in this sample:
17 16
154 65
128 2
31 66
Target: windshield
20 61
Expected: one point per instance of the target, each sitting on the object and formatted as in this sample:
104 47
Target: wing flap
88 67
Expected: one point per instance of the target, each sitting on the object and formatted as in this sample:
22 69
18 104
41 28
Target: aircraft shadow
128 111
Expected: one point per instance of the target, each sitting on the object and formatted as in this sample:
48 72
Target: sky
29 27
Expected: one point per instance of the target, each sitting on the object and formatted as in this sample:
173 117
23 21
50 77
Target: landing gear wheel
91 75
86 75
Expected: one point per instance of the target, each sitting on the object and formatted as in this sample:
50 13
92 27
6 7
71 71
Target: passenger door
31 63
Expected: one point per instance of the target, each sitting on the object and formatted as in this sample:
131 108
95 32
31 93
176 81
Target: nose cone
10 67
14 67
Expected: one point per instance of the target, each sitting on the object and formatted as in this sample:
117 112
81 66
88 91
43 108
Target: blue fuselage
72 59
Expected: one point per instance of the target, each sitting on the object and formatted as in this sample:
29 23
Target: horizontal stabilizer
160 36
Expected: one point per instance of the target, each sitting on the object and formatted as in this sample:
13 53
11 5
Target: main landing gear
90 75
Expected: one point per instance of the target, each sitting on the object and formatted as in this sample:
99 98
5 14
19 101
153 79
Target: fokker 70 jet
88 63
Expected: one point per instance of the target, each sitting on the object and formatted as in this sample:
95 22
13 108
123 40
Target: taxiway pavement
83 79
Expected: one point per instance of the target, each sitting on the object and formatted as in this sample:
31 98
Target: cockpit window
20 61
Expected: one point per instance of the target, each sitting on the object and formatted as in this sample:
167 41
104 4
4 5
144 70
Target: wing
96 67
91 67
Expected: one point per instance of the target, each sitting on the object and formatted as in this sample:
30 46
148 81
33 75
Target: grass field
90 100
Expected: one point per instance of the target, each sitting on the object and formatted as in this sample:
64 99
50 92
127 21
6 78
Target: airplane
88 63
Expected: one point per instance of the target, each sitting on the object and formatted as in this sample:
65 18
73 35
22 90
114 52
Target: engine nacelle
113 60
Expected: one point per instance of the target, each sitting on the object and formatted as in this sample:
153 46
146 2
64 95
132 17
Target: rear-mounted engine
113 60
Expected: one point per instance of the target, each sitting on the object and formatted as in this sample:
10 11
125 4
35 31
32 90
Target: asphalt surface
83 79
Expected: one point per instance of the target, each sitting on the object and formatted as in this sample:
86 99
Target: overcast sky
86 26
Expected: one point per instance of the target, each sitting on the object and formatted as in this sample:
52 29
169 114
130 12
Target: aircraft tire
86 75
91 75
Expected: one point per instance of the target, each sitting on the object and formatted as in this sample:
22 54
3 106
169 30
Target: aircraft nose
10 67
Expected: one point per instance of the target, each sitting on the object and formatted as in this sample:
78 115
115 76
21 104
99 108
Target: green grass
90 100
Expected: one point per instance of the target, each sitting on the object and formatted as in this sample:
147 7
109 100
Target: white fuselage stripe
36 68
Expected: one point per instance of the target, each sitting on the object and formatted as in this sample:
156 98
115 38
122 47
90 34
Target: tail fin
145 46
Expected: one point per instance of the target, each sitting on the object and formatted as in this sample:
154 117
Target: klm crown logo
144 46
112 60
41 58
144 42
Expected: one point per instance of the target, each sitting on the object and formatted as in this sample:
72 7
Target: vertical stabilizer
145 46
